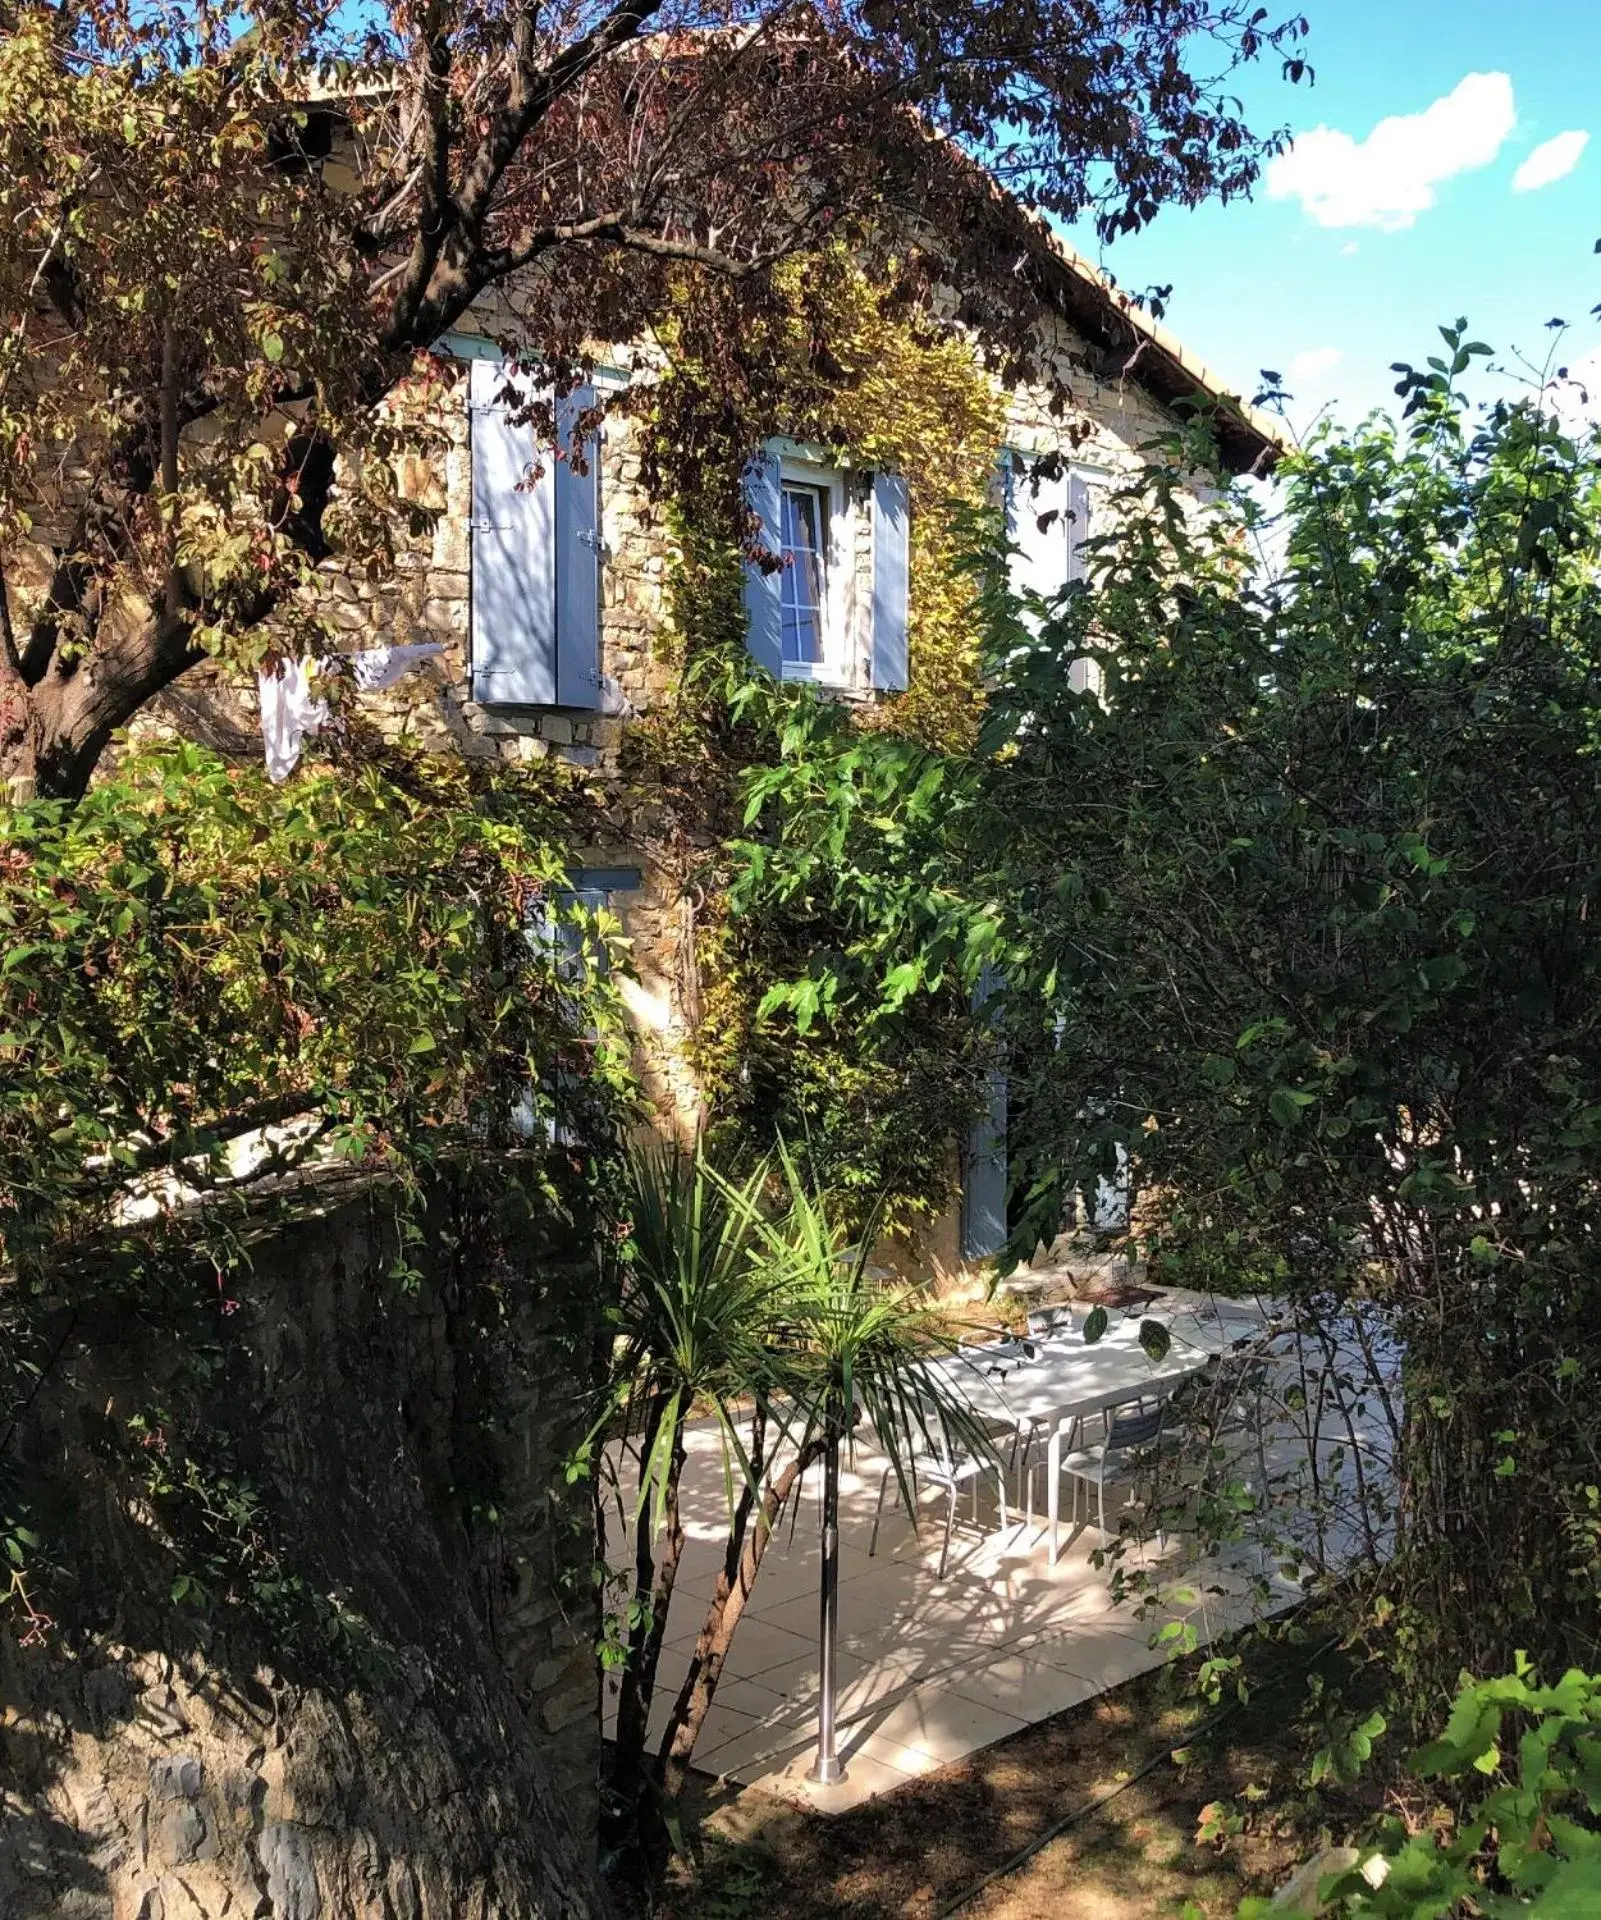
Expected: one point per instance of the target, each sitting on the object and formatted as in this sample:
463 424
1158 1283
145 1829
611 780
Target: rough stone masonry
412 1731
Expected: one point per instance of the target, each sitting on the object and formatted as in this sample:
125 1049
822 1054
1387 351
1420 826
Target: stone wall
1107 429
383 1702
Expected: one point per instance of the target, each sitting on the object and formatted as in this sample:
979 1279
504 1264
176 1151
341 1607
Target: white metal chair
936 1463
1128 1433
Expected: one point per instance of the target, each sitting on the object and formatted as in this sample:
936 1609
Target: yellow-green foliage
914 400
837 361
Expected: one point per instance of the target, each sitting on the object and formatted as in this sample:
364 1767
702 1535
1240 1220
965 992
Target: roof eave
1250 441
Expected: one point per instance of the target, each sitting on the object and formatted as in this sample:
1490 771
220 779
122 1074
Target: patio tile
1020 1684
1098 1655
730 1718
759 1750
758 1644
734 1713
910 1763
932 1725
861 1682
932 1669
862 1617
697 1574
867 1776
738 1703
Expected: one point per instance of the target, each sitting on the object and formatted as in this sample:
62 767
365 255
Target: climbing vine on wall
853 365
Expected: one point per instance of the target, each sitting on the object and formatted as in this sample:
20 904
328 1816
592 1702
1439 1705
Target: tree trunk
654 1580
60 703
53 733
746 1549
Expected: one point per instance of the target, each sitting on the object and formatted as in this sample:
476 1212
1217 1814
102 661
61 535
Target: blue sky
1352 254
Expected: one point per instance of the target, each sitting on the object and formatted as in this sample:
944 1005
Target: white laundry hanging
291 711
382 666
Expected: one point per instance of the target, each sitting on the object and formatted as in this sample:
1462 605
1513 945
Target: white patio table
1068 1379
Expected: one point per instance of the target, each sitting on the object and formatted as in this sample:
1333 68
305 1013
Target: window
561 941
834 611
804 586
1047 557
815 540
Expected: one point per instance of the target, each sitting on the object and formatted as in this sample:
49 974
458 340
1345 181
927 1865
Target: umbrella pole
828 1767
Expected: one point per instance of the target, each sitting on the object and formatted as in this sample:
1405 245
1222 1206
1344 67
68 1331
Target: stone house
548 595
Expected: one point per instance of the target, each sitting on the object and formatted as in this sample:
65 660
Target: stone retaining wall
414 1733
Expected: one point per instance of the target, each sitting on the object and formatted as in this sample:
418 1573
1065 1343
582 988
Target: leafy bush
1530 1846
207 980
1289 906
1318 951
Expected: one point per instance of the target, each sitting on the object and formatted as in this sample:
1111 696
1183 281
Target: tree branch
614 229
169 460
438 214
533 93
101 527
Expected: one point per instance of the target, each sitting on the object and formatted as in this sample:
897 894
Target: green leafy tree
1316 951
693 1309
755 1309
1289 906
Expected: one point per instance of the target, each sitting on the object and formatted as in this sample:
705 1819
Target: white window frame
838 665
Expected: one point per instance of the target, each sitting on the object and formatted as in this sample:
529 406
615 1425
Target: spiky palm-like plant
834 1347
694 1308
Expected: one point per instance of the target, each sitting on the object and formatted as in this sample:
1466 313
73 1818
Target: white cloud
1552 160
1350 247
1389 178
1314 363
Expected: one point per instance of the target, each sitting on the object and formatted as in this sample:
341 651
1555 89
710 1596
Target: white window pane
800 518
802 594
802 636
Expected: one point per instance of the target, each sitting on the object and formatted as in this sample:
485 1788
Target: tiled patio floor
930 1669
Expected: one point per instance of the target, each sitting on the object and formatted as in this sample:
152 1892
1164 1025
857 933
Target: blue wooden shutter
513 554
891 579
1084 675
763 591
1078 524
577 562
984 1178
